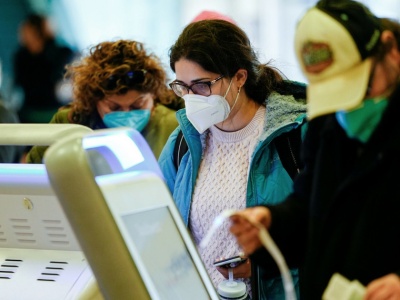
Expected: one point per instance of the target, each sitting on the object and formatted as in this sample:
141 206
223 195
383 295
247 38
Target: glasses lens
201 88
178 89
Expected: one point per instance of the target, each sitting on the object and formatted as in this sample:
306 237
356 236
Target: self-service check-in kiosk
40 257
114 196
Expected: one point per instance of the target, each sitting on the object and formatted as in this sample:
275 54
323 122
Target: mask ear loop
234 103
237 96
229 87
236 99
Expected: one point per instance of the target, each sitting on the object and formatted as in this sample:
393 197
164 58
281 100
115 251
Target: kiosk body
112 190
40 256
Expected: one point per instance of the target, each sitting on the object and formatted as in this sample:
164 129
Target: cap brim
341 92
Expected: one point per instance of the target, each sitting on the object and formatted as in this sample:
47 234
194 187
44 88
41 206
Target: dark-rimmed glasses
130 79
202 88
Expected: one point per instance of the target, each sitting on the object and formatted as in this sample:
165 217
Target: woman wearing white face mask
119 84
235 108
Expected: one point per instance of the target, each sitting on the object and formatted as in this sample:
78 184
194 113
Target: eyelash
116 108
137 105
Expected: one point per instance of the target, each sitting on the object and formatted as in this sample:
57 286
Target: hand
386 287
241 271
245 227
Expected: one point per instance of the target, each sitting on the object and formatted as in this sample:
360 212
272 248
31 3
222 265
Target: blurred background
80 24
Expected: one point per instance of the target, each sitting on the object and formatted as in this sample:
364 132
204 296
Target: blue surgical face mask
136 119
361 122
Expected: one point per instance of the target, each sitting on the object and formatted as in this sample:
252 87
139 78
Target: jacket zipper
293 157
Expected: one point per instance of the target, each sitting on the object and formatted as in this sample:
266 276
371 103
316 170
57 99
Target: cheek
385 78
102 109
149 104
379 83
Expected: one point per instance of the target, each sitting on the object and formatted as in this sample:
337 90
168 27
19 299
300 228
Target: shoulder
62 115
67 114
161 112
293 88
170 100
289 96
163 109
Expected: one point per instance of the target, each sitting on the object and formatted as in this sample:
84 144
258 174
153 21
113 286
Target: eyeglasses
200 88
130 79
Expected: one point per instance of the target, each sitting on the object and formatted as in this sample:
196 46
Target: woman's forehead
189 71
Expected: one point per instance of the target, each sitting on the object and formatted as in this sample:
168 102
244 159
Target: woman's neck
240 116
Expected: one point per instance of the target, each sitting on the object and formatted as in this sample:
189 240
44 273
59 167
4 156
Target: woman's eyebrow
194 80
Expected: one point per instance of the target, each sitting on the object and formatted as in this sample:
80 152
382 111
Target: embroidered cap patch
316 57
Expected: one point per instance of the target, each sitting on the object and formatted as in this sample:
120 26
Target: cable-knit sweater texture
226 158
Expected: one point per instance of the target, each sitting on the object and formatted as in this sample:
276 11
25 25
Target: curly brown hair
91 72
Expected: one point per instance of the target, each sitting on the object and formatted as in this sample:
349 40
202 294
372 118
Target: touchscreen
164 254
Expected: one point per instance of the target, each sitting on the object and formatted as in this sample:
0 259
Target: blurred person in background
212 15
118 83
8 153
39 66
343 214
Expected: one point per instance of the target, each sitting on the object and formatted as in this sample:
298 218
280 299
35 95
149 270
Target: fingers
249 241
246 233
386 287
258 215
223 271
240 225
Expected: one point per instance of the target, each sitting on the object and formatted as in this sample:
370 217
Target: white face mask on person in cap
205 111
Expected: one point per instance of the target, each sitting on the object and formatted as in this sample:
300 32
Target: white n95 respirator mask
203 112
206 111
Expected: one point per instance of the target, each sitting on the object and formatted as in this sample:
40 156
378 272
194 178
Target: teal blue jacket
268 181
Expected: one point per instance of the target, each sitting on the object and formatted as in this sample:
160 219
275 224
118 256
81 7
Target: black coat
344 214
38 74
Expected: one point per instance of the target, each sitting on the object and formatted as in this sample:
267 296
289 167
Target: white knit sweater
221 185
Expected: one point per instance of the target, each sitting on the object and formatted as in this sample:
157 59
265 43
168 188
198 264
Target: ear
393 51
240 77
